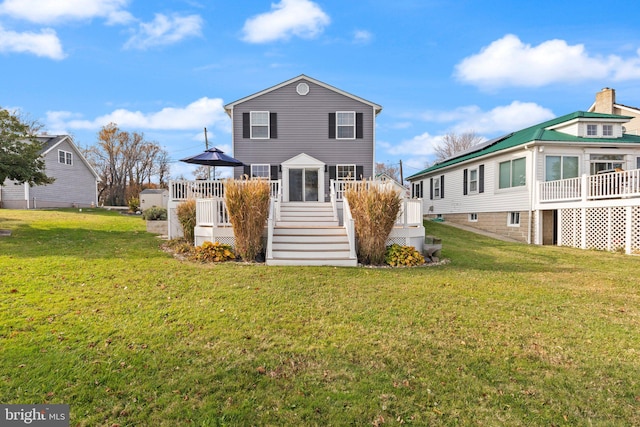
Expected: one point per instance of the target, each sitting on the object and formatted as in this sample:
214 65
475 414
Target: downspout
534 158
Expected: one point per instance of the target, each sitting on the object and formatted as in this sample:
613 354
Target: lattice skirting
606 228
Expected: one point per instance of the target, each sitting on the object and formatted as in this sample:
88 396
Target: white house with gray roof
573 181
75 182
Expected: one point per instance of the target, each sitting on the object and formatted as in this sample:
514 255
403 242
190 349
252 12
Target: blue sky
167 67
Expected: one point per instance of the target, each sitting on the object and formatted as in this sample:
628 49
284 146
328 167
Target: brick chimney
605 100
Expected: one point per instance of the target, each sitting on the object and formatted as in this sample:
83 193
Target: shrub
248 205
155 213
397 255
186 212
374 210
213 252
134 204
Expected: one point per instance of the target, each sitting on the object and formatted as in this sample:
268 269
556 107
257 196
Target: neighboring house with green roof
75 182
573 180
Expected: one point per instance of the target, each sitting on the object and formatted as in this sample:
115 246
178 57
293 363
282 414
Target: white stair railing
349 225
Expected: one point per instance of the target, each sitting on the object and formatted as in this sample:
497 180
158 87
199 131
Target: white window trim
512 187
261 164
436 187
511 217
251 124
592 134
68 157
610 127
353 113
473 217
352 178
477 181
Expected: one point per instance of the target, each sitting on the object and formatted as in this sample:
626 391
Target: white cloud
45 43
50 11
500 120
510 62
420 145
302 18
362 37
165 30
195 116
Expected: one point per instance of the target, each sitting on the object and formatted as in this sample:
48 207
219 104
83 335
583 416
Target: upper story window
259 125
345 172
345 125
261 171
512 173
560 167
592 130
607 130
65 157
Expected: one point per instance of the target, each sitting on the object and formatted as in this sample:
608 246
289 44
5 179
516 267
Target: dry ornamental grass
248 205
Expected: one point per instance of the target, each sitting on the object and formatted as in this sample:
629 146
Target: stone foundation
494 222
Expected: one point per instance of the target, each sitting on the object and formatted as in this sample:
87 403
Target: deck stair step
308 234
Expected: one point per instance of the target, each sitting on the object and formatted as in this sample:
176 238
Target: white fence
592 187
185 190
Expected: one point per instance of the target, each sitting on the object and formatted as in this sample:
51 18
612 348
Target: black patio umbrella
213 157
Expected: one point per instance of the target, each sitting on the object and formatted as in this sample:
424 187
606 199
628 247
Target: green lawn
94 315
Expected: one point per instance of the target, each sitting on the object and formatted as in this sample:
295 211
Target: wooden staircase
308 234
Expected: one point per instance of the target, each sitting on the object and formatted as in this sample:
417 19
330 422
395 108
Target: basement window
473 217
513 219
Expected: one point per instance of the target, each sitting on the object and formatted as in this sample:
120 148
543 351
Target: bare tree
124 162
453 143
391 169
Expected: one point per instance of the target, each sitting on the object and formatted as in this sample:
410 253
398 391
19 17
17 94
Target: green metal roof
537 132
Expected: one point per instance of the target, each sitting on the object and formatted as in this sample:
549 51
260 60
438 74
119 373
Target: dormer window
592 130
607 130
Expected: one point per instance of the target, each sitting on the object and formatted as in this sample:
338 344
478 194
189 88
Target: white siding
491 200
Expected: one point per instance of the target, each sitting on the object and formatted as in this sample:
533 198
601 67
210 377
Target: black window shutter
421 189
274 172
431 188
332 172
359 172
465 174
247 170
273 125
481 179
359 126
332 125
413 190
442 186
246 125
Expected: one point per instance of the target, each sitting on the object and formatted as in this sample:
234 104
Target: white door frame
302 161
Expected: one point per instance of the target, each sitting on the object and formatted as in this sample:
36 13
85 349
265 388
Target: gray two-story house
304 132
75 182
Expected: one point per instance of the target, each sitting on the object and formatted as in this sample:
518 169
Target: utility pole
401 175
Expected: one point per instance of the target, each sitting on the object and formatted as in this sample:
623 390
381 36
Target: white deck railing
340 186
592 187
185 190
271 221
212 213
410 213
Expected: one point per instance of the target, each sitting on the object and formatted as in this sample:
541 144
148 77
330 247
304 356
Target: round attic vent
302 89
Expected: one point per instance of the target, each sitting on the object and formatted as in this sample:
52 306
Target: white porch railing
212 213
410 213
185 190
592 187
340 186
349 225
